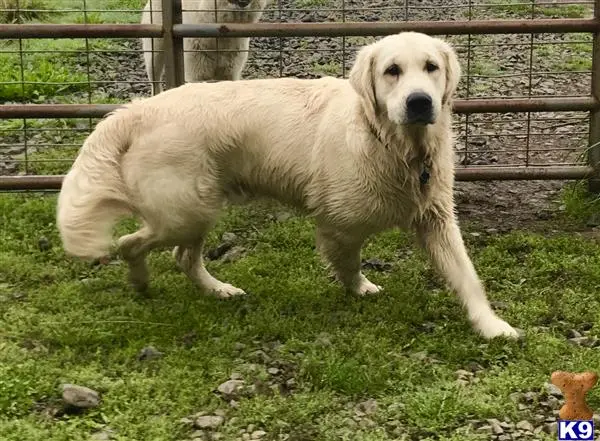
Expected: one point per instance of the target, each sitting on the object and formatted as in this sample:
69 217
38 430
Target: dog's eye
393 70
431 67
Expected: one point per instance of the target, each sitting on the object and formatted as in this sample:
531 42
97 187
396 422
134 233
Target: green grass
18 11
64 321
331 68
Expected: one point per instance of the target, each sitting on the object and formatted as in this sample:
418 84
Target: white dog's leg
443 241
191 262
342 252
134 248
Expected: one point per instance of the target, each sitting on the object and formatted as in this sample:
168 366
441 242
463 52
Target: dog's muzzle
419 108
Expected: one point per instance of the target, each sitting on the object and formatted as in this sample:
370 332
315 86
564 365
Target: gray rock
525 425
496 427
273 370
257 434
230 387
229 237
551 428
586 342
573 333
80 396
515 397
552 390
149 353
485 429
462 374
106 434
369 407
499 306
234 254
198 434
209 421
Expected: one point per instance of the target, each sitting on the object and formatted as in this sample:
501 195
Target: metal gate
547 150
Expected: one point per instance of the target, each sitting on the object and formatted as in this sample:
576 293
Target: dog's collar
425 173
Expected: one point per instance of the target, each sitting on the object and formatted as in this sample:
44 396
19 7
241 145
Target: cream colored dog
360 156
222 59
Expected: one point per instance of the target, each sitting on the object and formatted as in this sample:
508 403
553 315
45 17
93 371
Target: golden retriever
204 58
360 155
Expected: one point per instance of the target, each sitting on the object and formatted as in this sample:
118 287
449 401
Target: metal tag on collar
424 178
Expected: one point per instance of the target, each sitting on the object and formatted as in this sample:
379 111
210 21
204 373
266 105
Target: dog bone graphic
574 387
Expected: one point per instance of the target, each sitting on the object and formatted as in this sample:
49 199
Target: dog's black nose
419 108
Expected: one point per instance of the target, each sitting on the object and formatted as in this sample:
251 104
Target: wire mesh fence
495 66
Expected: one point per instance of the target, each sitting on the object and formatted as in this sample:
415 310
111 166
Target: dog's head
409 76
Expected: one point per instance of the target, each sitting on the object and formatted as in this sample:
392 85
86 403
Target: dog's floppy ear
453 70
361 76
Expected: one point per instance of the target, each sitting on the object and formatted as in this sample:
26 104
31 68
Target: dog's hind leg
134 248
441 237
342 252
190 260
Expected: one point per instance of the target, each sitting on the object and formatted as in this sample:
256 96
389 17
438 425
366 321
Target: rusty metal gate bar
492 105
173 44
173 32
222 30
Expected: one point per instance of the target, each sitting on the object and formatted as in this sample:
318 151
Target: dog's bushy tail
93 194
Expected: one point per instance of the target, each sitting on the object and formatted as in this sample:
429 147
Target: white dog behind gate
222 59
359 155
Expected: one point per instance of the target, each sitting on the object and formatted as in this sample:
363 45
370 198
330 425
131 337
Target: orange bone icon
574 387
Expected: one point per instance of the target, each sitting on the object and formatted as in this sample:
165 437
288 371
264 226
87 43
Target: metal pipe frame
498 105
174 31
462 27
50 182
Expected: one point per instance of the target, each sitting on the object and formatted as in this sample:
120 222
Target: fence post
594 138
173 46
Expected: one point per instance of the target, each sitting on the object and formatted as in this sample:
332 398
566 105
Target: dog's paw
226 290
492 327
366 287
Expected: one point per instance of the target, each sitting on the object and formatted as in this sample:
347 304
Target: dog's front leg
341 251
441 237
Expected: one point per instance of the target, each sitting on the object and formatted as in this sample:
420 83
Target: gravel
209 421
